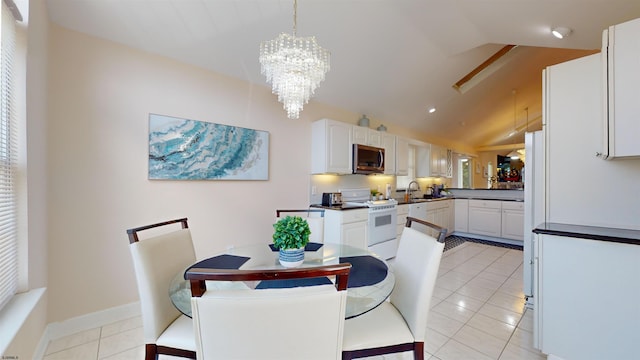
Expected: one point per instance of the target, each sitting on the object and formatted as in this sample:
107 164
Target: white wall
101 94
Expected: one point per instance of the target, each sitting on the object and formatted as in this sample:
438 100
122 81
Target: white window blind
8 160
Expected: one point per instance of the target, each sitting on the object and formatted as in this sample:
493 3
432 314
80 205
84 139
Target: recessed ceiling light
432 110
561 32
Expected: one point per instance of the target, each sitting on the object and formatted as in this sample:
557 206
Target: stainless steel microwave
368 159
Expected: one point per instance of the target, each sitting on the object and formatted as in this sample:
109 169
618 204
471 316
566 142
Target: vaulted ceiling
390 59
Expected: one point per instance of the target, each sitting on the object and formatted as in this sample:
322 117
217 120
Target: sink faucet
410 191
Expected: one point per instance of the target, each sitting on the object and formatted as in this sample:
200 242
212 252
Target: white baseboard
554 357
80 323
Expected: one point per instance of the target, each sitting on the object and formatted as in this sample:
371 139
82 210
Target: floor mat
453 240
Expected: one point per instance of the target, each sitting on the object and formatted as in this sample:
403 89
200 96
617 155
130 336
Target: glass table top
371 280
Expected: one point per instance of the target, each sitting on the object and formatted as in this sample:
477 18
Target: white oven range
381 232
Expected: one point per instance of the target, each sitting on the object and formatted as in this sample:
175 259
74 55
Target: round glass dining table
371 280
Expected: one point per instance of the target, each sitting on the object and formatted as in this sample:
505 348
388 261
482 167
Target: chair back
416 270
284 323
315 219
156 261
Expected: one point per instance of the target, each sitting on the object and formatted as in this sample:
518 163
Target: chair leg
418 351
151 352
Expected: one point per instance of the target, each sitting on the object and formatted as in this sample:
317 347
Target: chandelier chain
295 17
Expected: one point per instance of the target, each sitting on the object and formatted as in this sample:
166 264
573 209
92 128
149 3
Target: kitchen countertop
486 198
417 201
339 207
414 201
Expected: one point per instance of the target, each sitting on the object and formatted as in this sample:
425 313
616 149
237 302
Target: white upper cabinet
402 156
621 61
423 160
436 161
360 135
388 142
331 147
365 136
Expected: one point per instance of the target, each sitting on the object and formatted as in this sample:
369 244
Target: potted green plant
290 236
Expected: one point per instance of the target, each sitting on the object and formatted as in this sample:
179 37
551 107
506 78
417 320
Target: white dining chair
156 260
315 219
400 324
281 323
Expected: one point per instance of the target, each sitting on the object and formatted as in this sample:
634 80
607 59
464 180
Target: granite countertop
486 198
625 236
417 201
339 207
484 189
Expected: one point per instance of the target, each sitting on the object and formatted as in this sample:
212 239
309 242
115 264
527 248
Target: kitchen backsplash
334 183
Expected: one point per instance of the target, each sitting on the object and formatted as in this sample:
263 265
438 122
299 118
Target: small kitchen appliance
332 199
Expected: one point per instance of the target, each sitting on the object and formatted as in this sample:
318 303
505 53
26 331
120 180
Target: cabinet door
435 161
330 147
355 234
461 218
360 135
403 212
513 220
339 147
389 145
485 217
375 138
423 160
402 156
432 217
623 107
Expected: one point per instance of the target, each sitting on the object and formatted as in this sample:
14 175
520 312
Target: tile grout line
99 342
485 302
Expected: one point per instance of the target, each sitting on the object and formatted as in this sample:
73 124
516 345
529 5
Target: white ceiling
390 59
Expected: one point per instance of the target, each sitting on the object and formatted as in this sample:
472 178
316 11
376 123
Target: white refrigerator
577 186
533 204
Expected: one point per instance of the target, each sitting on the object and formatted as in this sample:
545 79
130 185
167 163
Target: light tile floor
477 312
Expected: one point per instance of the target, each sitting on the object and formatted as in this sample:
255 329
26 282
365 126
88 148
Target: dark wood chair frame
198 276
152 351
416 347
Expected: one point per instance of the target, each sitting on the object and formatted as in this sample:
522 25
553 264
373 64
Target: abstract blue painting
181 149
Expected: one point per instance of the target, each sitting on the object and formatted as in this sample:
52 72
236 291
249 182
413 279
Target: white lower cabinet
485 217
418 211
513 220
587 298
403 212
435 212
461 218
439 213
492 218
347 227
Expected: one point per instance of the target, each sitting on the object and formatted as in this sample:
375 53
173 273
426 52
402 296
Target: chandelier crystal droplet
294 66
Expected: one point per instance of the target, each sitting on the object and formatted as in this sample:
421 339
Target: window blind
8 160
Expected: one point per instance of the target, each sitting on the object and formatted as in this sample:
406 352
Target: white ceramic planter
291 257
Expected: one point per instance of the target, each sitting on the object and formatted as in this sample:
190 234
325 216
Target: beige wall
100 97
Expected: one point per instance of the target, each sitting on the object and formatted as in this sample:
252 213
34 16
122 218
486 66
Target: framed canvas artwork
182 149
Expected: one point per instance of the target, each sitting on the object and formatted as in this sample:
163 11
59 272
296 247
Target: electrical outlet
313 190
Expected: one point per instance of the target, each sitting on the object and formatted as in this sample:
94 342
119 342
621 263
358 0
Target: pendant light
514 154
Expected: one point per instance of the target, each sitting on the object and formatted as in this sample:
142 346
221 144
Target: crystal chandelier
295 67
